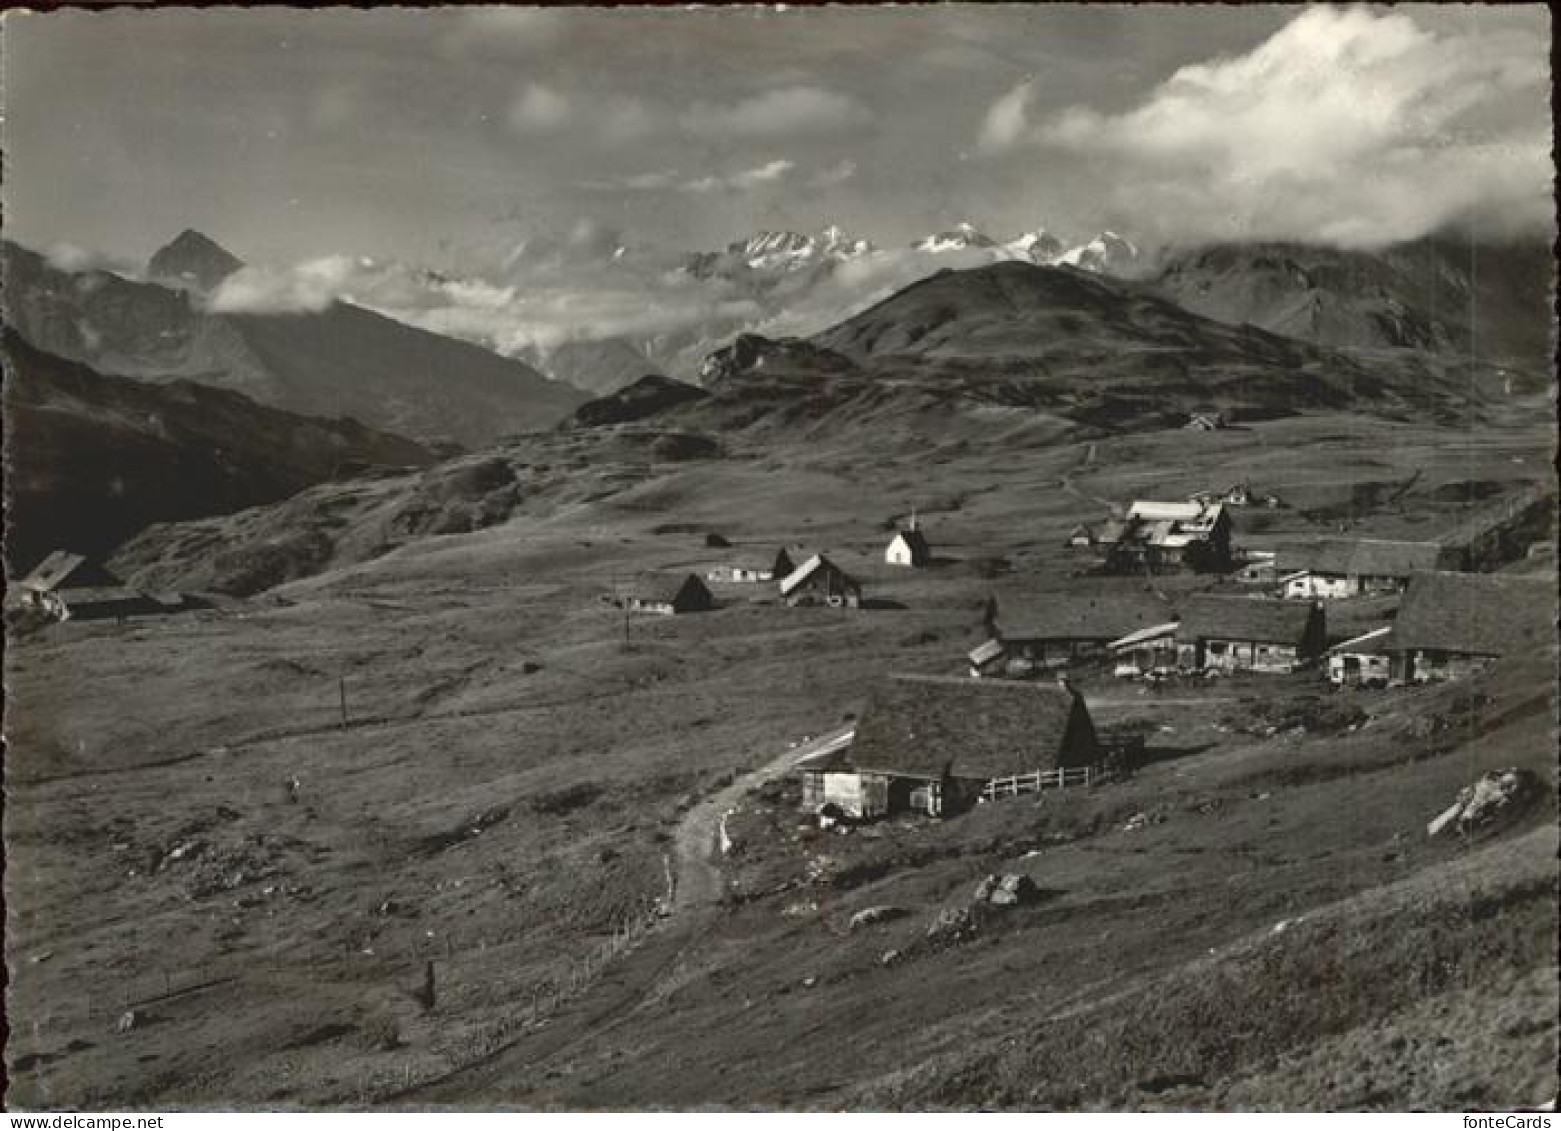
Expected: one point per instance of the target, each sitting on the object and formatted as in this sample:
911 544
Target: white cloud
305 288
787 111
505 31
836 174
539 109
66 256
1345 126
1007 119
744 180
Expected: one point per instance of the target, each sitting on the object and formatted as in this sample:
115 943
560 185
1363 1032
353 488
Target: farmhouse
751 571
68 586
908 548
1205 422
819 581
1363 661
1157 536
667 595
1451 624
1334 568
1032 636
934 744
1248 634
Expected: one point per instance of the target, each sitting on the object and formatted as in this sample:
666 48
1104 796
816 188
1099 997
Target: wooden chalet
1260 634
935 745
667 595
819 581
1032 636
1452 624
752 570
1335 568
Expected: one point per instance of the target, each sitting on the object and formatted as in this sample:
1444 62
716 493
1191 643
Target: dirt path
698 877
501 1076
1068 485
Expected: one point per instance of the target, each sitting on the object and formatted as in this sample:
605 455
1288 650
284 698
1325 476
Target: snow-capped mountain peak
1039 246
963 235
780 251
1108 253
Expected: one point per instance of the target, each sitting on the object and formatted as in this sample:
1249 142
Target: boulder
953 924
870 916
1008 890
1492 799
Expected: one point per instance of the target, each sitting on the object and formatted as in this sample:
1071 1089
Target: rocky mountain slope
91 459
192 259
340 361
1044 343
1435 294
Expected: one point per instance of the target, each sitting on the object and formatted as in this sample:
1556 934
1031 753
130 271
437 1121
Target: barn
666 595
752 570
1452 624
934 744
1260 634
1038 634
819 581
68 586
1335 568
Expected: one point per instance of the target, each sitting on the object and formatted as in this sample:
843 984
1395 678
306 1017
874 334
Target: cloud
503 31
1345 126
653 181
306 288
70 257
1007 119
538 109
784 112
836 174
663 180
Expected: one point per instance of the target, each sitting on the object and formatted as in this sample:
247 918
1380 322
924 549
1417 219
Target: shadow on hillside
1152 755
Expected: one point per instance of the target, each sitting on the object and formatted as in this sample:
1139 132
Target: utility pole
341 688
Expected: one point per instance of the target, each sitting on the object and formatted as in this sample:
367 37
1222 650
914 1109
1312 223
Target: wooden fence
1061 778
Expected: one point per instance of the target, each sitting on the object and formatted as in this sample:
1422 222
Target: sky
499 142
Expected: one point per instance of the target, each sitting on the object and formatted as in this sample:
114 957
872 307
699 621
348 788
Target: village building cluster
1014 723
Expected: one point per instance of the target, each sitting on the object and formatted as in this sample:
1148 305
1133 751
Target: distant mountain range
92 459
341 361
772 252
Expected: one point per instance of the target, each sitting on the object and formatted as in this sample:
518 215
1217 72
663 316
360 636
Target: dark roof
1476 614
1078 617
1265 620
1365 557
816 564
916 541
668 587
924 726
63 569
